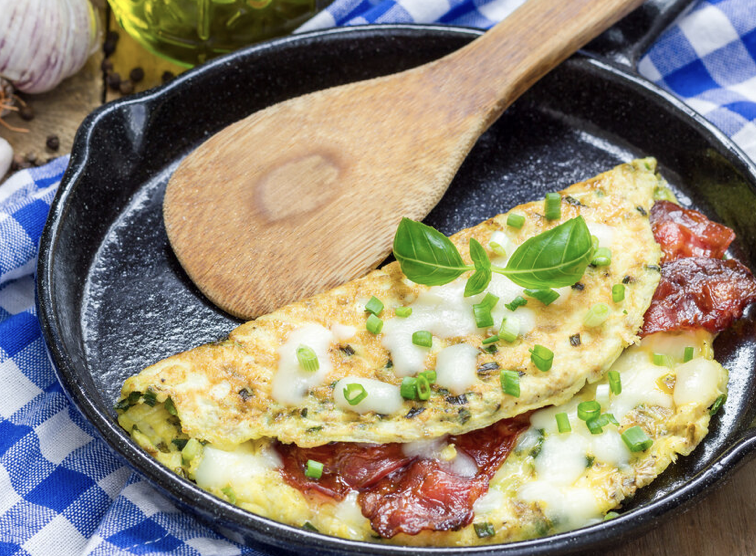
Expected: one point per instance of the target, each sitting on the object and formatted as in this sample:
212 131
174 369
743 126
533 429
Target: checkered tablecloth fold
61 491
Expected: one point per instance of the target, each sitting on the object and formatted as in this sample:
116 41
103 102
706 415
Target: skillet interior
113 299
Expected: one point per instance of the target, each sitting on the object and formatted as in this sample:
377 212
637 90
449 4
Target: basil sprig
553 259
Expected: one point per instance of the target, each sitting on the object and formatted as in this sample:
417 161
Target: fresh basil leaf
478 282
479 256
426 255
554 259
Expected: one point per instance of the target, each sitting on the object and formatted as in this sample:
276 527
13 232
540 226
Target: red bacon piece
399 494
687 233
699 293
426 495
422 496
346 466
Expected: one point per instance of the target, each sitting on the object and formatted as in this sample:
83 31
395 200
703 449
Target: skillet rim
222 515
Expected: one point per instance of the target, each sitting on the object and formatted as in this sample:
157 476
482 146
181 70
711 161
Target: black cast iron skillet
113 299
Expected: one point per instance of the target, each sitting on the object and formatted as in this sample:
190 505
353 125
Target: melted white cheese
567 507
343 332
381 397
489 502
639 383
456 368
562 459
220 468
697 381
291 383
349 513
604 233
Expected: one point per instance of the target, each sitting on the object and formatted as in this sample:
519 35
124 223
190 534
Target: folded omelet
252 385
551 482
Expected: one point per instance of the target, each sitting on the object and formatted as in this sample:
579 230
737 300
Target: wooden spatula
307 194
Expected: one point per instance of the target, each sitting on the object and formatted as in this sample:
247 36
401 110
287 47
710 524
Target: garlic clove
6 157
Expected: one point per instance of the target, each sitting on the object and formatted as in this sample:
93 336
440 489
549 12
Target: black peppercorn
114 80
126 87
107 65
136 75
26 112
53 142
167 76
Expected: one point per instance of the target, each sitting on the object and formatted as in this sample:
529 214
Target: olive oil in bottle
191 31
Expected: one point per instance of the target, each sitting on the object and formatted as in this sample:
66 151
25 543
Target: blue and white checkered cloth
61 491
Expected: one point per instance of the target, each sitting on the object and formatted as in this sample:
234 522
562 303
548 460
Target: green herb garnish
553 259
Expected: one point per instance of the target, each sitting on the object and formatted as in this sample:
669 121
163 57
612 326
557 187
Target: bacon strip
687 233
699 293
399 494
697 288
346 466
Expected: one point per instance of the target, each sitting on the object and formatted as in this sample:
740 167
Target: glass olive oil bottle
191 31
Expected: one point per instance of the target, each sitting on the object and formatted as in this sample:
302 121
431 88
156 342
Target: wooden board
723 523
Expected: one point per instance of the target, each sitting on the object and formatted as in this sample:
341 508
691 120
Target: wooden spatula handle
494 70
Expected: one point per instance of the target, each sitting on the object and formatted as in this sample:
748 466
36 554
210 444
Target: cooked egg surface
552 482
253 384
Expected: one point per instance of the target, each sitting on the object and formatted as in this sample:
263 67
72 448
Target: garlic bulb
44 41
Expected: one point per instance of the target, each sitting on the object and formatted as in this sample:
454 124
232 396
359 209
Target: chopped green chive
615 382
509 329
150 398
595 243
354 393
518 301
307 358
179 443
422 338
553 206
423 388
602 257
636 439
374 325
717 404
374 306
408 388
482 314
510 383
610 515
491 300
515 220
497 248
170 407
609 418
230 494
430 375
618 293
662 360
588 410
484 530
688 354
547 297
563 422
307 526
596 424
191 450
596 315
314 469
542 357
490 340
403 312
